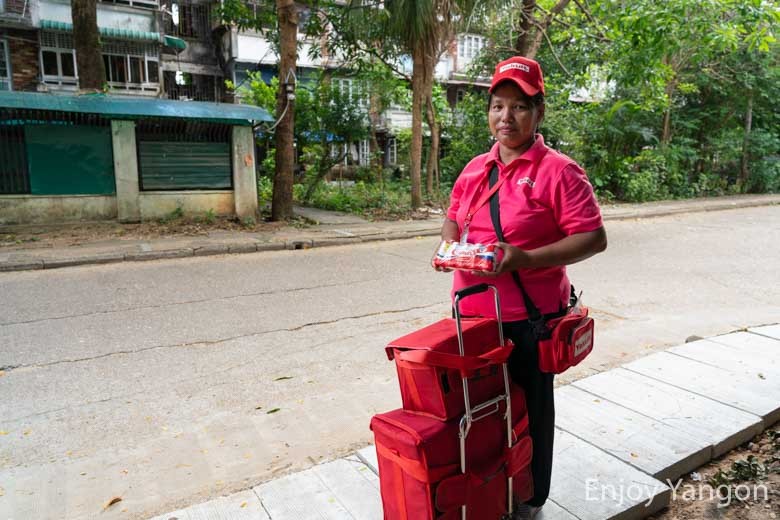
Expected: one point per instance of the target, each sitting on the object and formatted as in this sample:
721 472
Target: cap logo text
521 66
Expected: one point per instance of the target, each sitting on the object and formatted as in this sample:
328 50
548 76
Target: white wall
108 16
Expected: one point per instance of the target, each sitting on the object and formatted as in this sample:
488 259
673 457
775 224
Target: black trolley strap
535 316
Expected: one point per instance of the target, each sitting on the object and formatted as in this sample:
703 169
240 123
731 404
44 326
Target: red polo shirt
537 209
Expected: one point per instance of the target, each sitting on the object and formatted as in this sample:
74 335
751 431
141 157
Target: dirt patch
75 234
744 484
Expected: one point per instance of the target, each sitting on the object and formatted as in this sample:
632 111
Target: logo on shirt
526 180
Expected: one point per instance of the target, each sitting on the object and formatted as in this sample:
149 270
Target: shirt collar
533 154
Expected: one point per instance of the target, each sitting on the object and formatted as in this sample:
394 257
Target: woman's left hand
512 259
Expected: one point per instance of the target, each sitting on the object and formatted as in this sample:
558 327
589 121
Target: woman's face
512 118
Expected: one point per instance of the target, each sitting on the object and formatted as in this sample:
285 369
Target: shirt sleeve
455 196
575 205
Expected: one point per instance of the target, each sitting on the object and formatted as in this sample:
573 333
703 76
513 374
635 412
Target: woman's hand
512 259
449 231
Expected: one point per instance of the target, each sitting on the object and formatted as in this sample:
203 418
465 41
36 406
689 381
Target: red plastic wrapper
470 257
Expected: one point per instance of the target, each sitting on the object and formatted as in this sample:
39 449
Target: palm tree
423 27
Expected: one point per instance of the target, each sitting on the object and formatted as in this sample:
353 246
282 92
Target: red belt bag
570 341
562 342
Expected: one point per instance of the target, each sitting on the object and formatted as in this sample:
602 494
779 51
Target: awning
174 42
120 107
108 32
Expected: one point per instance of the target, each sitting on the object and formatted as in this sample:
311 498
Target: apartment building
151 48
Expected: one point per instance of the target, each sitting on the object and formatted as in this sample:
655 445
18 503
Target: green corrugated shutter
70 159
166 165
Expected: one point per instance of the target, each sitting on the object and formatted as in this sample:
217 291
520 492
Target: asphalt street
170 382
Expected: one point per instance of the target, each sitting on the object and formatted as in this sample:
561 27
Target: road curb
242 247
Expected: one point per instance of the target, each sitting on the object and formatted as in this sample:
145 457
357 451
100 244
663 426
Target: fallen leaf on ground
243 504
2 373
2 491
111 502
26 432
634 455
273 411
282 378
3 432
761 376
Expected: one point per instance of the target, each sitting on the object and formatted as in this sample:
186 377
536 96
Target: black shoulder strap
534 315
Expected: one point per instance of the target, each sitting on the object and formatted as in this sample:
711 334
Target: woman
549 217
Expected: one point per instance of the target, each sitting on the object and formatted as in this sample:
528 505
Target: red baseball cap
524 72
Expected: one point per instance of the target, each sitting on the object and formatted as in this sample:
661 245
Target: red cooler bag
419 465
430 367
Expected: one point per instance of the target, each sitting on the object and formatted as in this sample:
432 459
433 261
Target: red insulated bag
430 369
419 464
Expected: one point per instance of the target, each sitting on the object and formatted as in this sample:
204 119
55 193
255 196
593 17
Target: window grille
58 59
194 21
150 4
5 67
193 87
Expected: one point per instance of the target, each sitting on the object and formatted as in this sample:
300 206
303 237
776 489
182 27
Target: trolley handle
471 290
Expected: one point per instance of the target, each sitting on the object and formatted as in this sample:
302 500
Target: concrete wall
35 209
159 204
130 204
244 180
108 16
125 170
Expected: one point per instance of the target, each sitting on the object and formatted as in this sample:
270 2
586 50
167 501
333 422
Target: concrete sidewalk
329 228
623 438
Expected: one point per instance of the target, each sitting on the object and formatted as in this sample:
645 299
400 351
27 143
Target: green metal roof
174 42
120 107
104 31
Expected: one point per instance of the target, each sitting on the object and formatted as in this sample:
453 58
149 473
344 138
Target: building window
392 151
132 66
189 20
5 66
469 46
352 89
58 59
151 4
192 87
364 152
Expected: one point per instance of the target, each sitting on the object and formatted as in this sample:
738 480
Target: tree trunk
432 168
377 159
744 171
282 201
524 38
415 148
534 43
86 40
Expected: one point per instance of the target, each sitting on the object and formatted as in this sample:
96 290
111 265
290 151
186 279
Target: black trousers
538 386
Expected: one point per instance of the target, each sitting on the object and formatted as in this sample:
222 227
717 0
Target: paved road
167 383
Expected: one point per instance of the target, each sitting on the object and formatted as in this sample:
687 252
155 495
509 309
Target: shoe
525 512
